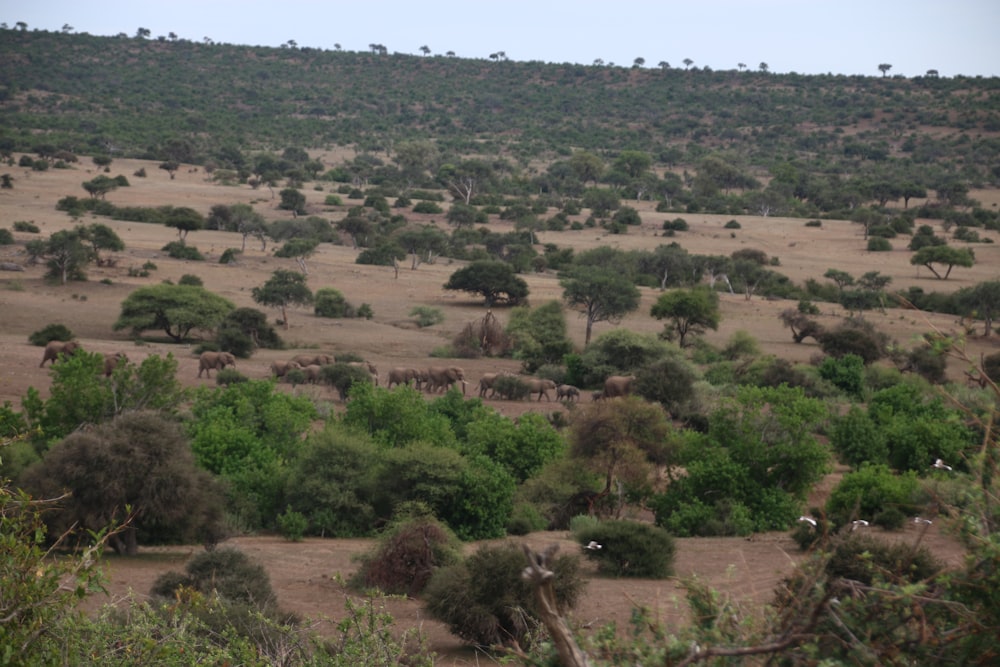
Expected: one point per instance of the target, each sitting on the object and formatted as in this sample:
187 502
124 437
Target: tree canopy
689 311
496 281
942 254
283 289
602 295
175 310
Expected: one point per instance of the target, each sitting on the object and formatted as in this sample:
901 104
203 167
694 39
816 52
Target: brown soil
303 573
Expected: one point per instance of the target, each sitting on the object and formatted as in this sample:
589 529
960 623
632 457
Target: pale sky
809 37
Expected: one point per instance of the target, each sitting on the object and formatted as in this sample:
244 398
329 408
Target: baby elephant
568 392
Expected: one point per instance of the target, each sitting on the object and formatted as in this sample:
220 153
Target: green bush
407 555
879 244
25 226
6 238
228 376
228 572
190 279
525 519
330 302
732 224
179 250
292 525
629 549
676 225
511 387
50 332
868 491
427 316
427 207
847 373
864 558
229 255
857 439
485 601
333 200
814 223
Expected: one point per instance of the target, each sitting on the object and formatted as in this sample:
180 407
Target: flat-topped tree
174 309
184 220
945 255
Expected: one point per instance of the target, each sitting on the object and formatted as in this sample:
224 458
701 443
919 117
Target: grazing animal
568 392
313 373
540 387
280 368
56 347
486 383
400 375
368 366
618 385
214 360
312 359
111 362
443 377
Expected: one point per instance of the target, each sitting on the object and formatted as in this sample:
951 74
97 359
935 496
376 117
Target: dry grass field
303 573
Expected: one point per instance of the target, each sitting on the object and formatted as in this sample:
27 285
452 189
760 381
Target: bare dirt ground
304 573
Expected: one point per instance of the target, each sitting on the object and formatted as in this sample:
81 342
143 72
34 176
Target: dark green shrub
676 225
865 558
868 491
857 439
525 519
427 207
333 200
295 376
179 250
890 519
855 336
228 572
407 555
6 238
329 302
427 316
629 549
879 244
846 373
228 376
229 255
190 279
25 226
365 311
733 224
484 600
814 223
50 332
927 363
669 381
292 525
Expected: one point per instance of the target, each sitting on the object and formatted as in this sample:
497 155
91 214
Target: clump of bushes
6 238
870 491
733 224
427 207
330 302
229 255
427 316
228 376
629 549
190 279
179 250
407 555
675 225
230 573
50 332
879 244
25 226
484 600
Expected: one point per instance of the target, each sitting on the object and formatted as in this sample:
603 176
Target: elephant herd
56 348
431 379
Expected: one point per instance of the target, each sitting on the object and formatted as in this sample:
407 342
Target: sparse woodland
445 301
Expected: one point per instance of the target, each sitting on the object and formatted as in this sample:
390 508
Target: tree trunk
284 317
539 574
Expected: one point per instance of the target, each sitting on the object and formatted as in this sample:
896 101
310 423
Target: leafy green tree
80 394
299 250
292 200
398 417
101 237
66 253
669 382
138 465
245 329
688 311
356 225
602 295
539 335
633 163
283 289
857 439
100 186
521 447
601 201
330 302
870 490
941 254
462 215
184 220
586 166
467 178
174 309
496 281
422 242
246 433
245 221
981 302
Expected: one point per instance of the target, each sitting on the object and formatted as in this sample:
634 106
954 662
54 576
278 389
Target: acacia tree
184 220
495 280
981 301
65 254
174 309
602 295
943 254
283 289
688 311
298 249
101 237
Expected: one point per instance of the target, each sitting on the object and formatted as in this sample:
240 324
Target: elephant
279 368
567 391
111 362
402 375
56 347
214 360
443 377
312 359
486 382
313 372
618 385
597 395
368 366
540 387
